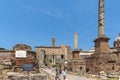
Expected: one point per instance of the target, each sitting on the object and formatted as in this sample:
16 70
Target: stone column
101 18
76 41
53 58
66 53
101 43
42 56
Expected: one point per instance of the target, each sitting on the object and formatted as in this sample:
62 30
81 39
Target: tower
101 42
53 42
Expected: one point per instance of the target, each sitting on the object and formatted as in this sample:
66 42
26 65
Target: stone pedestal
101 44
77 64
75 54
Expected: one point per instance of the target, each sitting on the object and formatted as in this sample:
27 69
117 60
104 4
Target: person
64 74
57 75
60 75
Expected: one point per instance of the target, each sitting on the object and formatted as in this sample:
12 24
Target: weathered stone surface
51 55
26 76
108 62
22 47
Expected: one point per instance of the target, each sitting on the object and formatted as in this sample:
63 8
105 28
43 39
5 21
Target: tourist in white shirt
64 74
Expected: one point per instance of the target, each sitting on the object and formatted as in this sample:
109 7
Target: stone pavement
69 77
24 76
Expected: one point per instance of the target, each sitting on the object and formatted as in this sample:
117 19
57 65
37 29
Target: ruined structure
76 64
28 58
52 55
105 58
16 61
101 58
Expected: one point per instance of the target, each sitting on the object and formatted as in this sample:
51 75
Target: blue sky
35 22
